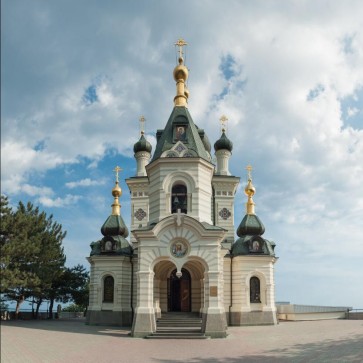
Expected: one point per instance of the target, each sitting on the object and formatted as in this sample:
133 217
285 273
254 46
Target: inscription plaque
213 291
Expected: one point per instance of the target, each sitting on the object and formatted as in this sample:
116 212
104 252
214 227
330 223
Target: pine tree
31 252
71 285
50 264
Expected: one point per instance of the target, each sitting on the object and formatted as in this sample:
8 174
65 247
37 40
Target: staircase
177 325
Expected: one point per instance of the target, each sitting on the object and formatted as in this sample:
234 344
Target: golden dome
116 191
180 72
250 190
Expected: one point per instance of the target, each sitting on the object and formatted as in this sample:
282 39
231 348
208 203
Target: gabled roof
167 138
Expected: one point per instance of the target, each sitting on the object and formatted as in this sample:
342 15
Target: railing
354 314
29 314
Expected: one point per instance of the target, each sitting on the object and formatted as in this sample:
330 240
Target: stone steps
178 326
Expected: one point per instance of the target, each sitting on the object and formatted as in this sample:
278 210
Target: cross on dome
249 169
117 170
223 120
142 120
181 43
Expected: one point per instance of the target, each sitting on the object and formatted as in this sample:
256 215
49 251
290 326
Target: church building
182 256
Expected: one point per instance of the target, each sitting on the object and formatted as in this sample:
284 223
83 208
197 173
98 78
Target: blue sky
77 75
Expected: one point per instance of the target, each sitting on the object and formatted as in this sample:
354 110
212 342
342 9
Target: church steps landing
178 326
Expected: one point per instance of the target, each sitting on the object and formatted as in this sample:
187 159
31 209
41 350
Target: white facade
184 253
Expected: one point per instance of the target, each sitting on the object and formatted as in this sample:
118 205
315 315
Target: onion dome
114 229
250 225
223 143
181 71
114 226
251 229
142 145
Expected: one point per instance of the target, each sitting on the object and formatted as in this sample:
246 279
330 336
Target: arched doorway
179 291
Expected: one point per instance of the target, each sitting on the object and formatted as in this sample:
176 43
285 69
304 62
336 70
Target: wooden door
179 294
185 295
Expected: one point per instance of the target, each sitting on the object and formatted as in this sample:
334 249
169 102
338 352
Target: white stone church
182 255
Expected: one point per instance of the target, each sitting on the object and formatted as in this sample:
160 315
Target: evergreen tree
31 252
71 285
50 264
80 286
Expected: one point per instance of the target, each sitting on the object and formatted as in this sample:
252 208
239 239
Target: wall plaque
213 291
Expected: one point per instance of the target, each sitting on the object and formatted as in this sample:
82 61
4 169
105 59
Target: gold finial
250 191
142 120
116 192
181 43
223 120
181 75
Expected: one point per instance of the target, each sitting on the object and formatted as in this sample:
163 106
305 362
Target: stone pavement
73 341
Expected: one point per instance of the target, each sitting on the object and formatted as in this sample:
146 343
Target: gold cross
249 169
181 43
223 120
117 170
142 120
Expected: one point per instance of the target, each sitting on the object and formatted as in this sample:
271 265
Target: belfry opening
181 264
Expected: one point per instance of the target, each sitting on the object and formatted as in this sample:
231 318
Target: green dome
250 225
142 145
114 226
223 143
114 240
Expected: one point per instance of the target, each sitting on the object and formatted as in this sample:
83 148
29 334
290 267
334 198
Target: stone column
214 320
202 293
144 321
157 298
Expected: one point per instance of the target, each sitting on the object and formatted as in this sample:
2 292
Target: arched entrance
168 294
179 291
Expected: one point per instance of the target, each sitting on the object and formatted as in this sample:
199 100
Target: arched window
179 199
255 292
108 287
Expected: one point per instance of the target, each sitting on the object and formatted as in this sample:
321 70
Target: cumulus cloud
352 111
85 183
59 202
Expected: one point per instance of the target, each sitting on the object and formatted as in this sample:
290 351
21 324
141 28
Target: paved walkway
73 341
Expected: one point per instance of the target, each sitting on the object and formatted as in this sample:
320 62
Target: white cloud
85 183
32 190
352 111
59 202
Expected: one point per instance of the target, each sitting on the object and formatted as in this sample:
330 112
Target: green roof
244 246
142 145
114 226
223 143
115 231
250 225
192 139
